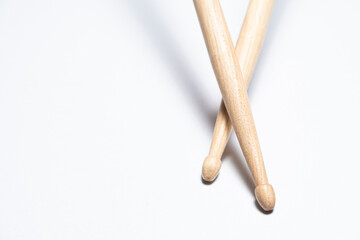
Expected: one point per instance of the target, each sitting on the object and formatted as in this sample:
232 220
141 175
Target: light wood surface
233 89
247 51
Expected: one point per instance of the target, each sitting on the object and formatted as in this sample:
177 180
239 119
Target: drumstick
226 67
247 51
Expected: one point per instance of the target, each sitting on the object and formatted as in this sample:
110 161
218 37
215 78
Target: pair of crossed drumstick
233 69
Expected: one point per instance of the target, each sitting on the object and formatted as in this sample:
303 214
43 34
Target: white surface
107 110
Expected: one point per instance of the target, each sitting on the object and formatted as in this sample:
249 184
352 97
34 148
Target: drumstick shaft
233 90
247 51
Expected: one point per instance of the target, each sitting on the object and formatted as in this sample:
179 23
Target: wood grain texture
247 51
233 89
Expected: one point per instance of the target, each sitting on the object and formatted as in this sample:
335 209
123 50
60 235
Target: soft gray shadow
262 210
273 27
232 153
158 32
206 182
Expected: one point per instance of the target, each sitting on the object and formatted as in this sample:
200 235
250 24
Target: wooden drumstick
233 89
247 51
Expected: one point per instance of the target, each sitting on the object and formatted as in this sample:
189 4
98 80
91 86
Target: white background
107 110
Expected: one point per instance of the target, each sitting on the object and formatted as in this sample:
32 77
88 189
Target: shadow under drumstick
167 46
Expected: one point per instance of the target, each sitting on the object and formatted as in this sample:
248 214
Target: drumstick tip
211 168
265 196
